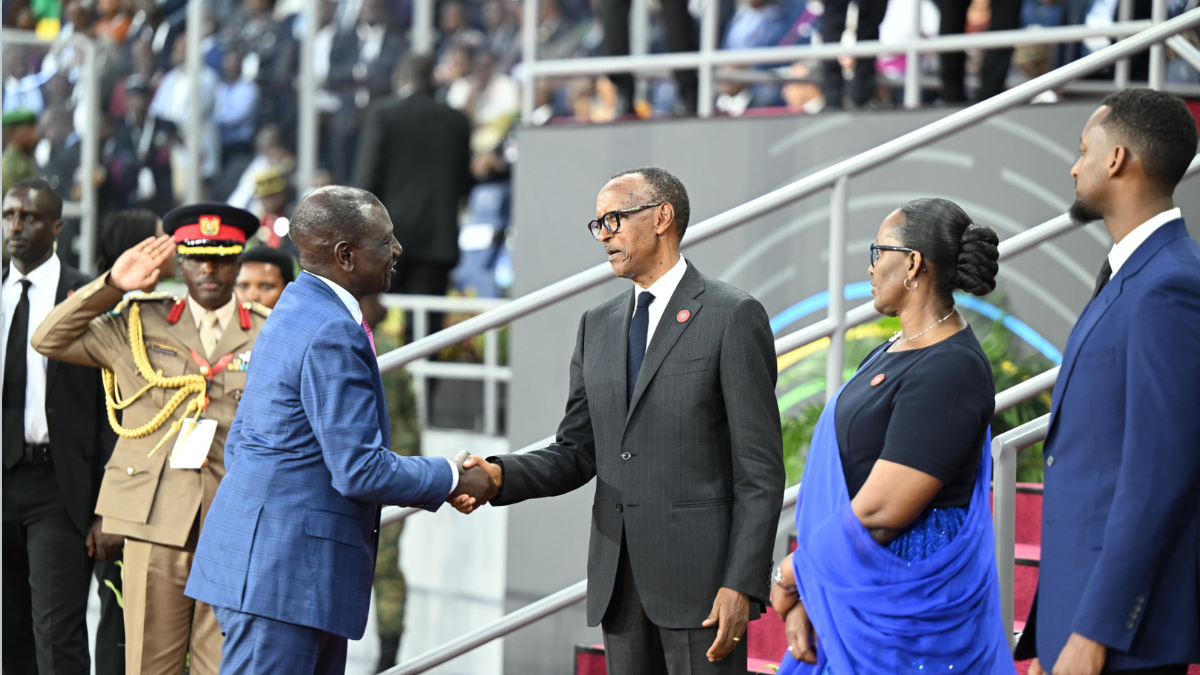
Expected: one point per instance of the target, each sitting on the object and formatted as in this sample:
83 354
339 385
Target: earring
915 285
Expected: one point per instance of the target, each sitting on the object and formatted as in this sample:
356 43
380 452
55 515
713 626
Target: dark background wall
1011 173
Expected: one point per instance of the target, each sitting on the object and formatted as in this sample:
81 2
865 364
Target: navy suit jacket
1121 513
292 532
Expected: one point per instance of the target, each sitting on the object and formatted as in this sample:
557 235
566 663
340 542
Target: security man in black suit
415 156
672 409
55 444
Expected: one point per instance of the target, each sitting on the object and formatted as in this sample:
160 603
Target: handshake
478 482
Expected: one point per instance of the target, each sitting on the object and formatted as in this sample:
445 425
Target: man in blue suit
287 553
1119 584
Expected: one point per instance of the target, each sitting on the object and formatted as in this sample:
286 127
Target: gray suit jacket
691 471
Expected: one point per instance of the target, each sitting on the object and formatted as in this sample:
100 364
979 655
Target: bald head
329 215
344 234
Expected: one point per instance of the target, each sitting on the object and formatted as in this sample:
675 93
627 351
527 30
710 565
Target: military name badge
162 350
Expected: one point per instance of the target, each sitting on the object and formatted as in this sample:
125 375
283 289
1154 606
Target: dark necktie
15 370
1102 278
638 328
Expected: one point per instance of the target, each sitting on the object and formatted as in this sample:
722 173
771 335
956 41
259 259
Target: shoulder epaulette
140 296
260 309
244 310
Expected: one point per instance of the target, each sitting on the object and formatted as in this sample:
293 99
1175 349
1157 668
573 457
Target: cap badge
877 379
210 225
683 315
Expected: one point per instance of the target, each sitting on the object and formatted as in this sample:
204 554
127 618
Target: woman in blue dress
894 570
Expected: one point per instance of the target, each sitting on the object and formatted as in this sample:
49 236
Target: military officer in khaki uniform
176 367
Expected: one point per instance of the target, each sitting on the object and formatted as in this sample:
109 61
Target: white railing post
422 26
195 118
708 44
1121 73
1158 52
639 43
89 160
1004 507
420 386
491 352
529 21
912 63
835 356
309 136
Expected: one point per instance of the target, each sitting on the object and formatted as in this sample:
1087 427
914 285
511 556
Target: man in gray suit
672 405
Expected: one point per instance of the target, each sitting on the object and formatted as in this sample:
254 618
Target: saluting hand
137 268
730 613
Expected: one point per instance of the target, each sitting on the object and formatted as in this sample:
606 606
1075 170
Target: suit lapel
667 333
1096 309
232 339
65 286
616 341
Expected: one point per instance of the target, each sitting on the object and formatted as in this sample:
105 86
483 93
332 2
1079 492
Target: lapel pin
877 379
70 292
683 315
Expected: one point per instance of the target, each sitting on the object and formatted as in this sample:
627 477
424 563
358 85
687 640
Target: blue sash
874 612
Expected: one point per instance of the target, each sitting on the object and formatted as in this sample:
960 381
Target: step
1028 554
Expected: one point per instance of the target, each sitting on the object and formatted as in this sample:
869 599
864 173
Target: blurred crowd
251 53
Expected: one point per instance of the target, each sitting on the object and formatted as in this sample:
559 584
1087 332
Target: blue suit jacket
1121 512
292 532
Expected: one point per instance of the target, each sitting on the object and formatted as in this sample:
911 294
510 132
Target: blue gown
929 602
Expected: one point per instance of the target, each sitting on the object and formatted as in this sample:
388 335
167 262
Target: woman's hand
802 639
783 593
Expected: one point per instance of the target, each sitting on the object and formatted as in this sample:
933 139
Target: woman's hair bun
978 260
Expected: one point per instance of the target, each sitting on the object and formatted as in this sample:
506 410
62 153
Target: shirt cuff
454 476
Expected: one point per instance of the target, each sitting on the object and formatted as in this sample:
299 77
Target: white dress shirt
1122 250
356 312
42 289
662 290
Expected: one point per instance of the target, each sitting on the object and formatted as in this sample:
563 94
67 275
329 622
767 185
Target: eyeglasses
611 221
876 249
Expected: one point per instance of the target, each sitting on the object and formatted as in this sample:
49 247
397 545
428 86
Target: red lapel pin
70 292
683 315
877 379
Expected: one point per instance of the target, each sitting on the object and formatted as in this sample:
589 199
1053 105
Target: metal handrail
577 592
800 189
1004 505
603 65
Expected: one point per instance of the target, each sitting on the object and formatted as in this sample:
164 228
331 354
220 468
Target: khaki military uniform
158 509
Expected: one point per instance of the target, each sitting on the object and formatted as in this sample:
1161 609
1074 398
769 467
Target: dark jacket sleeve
748 374
567 464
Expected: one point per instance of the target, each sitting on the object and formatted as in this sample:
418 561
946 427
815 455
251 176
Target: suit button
1050 460
620 508
625 455
1140 599
129 471
1129 625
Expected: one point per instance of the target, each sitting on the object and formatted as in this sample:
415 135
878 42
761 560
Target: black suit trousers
833 24
47 573
680 30
633 645
1006 15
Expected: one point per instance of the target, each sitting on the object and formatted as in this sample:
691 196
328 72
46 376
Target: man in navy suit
287 554
1119 584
